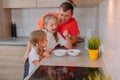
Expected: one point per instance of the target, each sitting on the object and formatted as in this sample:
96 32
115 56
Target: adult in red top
70 26
66 21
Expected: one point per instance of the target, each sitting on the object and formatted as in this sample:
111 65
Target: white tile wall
86 18
26 19
109 30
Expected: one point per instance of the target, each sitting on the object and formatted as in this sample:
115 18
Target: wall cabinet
49 3
5 21
19 3
31 3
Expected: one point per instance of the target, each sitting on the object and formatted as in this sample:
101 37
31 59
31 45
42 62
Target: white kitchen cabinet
49 3
19 3
31 3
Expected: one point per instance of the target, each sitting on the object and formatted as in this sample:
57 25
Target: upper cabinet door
49 3
19 3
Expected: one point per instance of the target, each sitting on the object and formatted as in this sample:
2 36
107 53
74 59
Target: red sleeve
74 30
40 22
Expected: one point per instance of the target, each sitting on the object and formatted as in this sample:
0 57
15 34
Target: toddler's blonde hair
35 37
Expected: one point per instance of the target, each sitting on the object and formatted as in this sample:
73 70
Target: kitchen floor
11 66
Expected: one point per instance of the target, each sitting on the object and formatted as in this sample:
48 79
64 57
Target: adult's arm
74 39
74 31
28 48
68 45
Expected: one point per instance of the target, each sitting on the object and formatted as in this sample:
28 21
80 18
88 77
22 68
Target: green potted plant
93 47
99 77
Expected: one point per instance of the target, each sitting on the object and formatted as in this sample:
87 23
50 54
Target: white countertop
81 60
19 41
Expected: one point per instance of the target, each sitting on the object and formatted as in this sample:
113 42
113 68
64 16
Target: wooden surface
31 3
11 66
5 21
49 3
19 3
87 3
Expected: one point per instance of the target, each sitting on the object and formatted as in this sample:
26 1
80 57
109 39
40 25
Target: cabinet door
5 21
11 61
0 19
49 3
19 3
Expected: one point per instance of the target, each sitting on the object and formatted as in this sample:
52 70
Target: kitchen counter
81 60
19 41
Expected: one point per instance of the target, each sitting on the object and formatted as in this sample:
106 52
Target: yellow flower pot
93 54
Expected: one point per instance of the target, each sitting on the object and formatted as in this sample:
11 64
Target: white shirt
32 56
52 41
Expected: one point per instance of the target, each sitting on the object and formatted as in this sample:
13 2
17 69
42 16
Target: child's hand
47 53
49 50
66 33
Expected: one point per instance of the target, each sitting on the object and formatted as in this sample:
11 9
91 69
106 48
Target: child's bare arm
36 62
46 53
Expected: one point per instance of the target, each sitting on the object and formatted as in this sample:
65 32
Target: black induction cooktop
45 72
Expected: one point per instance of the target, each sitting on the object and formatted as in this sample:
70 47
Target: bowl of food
73 52
59 52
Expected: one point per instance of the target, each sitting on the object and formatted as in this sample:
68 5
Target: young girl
38 39
50 23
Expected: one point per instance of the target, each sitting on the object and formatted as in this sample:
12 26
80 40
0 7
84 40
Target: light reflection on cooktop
64 73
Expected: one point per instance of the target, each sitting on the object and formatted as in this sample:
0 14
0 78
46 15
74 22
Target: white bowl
59 52
73 52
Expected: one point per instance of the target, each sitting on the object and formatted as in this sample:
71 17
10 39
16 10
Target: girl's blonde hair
45 22
35 37
47 17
